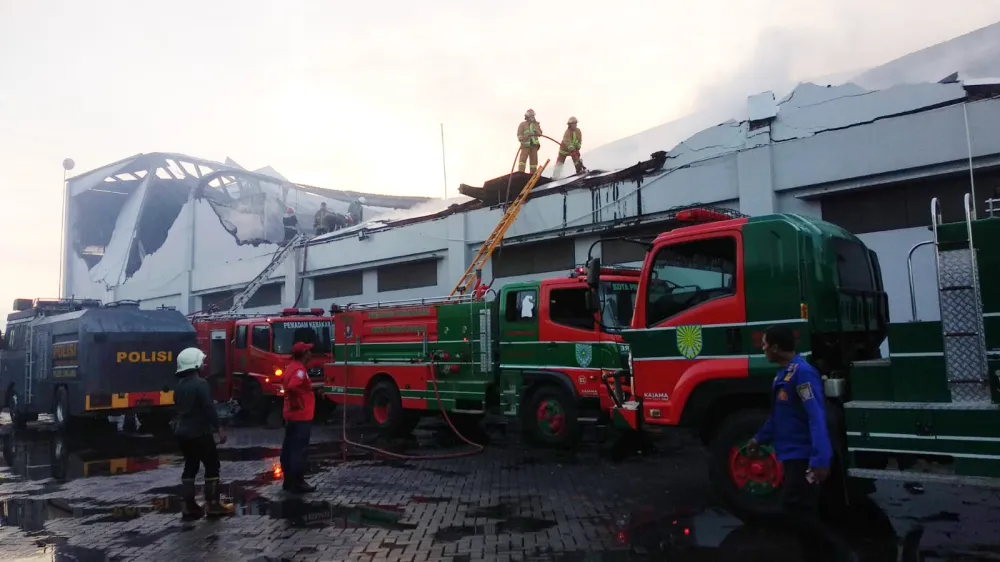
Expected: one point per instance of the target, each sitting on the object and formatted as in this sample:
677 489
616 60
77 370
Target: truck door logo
689 341
584 354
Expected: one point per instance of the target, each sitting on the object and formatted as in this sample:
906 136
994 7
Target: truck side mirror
594 272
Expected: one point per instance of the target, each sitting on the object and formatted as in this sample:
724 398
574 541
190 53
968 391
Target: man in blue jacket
797 431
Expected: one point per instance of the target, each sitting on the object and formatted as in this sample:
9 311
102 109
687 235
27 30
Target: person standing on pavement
300 406
798 432
194 425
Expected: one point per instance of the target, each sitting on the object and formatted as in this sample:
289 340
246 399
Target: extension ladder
240 300
474 273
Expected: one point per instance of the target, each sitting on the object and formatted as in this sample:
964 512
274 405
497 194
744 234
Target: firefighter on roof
300 406
291 223
320 223
527 134
570 146
195 422
355 211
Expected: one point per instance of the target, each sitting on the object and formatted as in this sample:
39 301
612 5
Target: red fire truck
246 355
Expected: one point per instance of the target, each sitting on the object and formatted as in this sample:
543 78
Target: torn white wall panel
111 269
219 259
716 141
171 259
812 109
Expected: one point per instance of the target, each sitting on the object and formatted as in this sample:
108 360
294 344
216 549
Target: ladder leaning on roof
473 275
240 300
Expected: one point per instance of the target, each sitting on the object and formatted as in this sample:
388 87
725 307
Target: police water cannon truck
76 358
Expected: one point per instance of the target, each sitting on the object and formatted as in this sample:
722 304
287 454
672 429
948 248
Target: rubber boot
301 486
288 482
215 508
190 509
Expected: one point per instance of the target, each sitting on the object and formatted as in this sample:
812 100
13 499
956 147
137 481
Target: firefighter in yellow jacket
527 134
570 146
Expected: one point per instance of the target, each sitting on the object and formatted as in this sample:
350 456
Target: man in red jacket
300 405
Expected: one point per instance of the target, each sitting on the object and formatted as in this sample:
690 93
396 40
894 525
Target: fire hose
437 395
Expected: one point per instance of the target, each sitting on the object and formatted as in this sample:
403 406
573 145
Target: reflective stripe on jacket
525 130
572 141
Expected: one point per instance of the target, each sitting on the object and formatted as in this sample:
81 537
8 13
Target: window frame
242 333
253 343
583 291
733 284
513 314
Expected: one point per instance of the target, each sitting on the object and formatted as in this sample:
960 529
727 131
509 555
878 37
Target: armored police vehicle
76 358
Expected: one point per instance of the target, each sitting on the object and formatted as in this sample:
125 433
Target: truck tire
60 409
384 408
752 488
18 418
551 418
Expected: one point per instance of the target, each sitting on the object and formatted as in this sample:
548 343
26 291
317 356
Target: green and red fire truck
246 355
928 412
541 335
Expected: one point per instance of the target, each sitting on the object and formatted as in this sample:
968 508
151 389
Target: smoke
423 209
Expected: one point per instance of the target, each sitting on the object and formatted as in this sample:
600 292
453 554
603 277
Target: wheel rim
759 475
550 417
380 409
60 413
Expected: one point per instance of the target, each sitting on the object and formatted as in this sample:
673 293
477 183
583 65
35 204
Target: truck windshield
617 304
286 334
853 268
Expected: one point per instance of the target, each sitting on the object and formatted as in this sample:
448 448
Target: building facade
869 161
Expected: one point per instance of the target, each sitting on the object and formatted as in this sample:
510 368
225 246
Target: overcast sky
350 94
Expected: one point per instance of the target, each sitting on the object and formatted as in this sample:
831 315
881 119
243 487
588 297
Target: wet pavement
99 495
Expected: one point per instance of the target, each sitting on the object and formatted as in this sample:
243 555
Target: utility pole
67 164
444 164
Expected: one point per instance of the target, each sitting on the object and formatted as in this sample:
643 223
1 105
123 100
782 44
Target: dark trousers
801 511
199 451
294 447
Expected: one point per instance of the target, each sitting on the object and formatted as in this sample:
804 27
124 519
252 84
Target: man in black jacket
195 422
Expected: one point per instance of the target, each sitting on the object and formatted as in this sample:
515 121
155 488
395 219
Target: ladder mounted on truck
241 299
473 275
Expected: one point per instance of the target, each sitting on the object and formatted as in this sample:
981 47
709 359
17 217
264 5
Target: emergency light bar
302 312
701 215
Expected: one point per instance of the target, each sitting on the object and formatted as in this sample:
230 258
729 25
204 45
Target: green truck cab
710 288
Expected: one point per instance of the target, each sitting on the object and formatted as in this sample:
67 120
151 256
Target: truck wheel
252 401
275 414
551 417
60 409
751 486
385 410
18 418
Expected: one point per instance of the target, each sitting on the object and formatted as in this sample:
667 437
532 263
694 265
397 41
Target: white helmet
361 200
189 359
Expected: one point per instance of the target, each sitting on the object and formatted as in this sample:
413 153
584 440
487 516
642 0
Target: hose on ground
437 395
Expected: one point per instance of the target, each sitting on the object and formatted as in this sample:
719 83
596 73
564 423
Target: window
907 205
688 274
540 257
617 304
853 268
569 308
623 251
266 295
339 285
261 338
522 305
412 275
241 337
